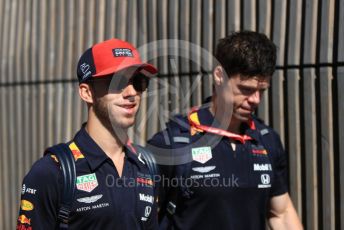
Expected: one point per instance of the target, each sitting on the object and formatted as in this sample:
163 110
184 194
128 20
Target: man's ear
219 75
86 93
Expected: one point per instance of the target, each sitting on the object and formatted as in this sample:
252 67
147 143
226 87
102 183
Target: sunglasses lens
140 82
117 83
121 83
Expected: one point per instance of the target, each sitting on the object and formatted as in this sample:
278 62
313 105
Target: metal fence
41 41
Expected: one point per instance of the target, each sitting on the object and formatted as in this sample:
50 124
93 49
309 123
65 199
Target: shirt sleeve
40 195
280 167
161 148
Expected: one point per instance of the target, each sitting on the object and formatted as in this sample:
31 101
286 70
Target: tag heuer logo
201 154
87 182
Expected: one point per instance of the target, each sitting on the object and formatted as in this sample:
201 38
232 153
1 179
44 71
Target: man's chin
242 117
124 124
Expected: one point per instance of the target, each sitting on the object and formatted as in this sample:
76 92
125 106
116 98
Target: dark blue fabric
228 190
110 202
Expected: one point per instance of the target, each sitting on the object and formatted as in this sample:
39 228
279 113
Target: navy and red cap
109 57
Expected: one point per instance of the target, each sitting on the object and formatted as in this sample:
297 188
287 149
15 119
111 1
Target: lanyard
194 122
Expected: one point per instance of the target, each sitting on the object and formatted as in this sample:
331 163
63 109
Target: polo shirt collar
94 155
207 118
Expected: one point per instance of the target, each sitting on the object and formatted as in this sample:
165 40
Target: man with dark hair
114 187
230 167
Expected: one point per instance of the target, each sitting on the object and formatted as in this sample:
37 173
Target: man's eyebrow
248 86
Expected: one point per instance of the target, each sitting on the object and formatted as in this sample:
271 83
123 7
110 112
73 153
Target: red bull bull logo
76 152
24 223
24 220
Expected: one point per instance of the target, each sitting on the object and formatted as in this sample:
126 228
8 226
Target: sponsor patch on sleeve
24 223
26 205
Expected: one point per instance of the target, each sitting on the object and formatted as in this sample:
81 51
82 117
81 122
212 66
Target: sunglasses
116 83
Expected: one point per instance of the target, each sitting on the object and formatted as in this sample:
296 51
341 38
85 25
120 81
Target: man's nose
129 91
254 98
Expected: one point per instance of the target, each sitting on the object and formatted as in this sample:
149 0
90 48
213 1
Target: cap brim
149 70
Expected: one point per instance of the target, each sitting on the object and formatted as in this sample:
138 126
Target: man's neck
109 141
232 125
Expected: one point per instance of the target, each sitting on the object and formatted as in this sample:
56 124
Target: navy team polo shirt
103 199
230 189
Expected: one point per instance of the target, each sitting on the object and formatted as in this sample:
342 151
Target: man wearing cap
230 167
114 187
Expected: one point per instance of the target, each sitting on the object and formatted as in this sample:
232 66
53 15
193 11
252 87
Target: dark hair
247 53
